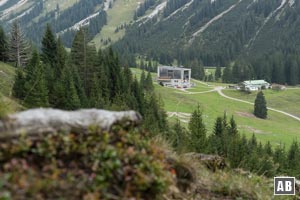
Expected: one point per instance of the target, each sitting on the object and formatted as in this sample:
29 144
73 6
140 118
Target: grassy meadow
121 13
286 100
277 129
7 104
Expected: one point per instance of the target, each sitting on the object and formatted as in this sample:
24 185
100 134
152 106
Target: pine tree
149 82
3 46
79 56
96 100
18 47
36 86
293 161
49 48
143 80
260 106
218 128
18 87
232 130
114 74
57 95
178 137
197 131
218 73
227 75
71 99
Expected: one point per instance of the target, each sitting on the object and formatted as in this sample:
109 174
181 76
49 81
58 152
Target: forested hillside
261 35
254 39
65 18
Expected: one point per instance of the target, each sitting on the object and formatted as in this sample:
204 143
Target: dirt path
219 90
183 117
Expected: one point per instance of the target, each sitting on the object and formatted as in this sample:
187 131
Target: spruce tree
260 106
218 128
79 56
96 100
218 73
18 90
293 161
143 80
149 83
197 131
57 95
227 75
232 130
49 49
3 46
71 99
18 46
179 137
36 86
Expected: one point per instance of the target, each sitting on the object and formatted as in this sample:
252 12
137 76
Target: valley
278 128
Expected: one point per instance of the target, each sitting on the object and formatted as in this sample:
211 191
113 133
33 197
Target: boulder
34 122
212 162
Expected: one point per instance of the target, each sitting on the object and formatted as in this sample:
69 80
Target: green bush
101 165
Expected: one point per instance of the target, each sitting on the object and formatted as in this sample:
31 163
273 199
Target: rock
212 162
41 121
185 174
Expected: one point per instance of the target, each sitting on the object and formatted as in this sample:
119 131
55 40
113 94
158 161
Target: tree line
277 67
84 78
240 152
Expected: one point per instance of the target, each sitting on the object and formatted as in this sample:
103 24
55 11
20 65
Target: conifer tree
96 100
71 99
280 158
114 74
79 56
49 48
197 131
179 137
232 130
143 80
84 103
18 47
218 73
149 82
260 106
293 161
36 86
227 75
18 87
217 139
3 46
218 128
56 97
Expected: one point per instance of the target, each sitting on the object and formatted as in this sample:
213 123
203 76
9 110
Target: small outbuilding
255 85
174 76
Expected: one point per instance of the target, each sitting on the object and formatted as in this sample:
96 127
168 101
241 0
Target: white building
174 76
255 85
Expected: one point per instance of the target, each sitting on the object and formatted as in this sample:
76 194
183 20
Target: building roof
173 68
255 82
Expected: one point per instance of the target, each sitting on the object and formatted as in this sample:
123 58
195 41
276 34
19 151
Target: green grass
6 78
7 104
277 129
286 100
122 12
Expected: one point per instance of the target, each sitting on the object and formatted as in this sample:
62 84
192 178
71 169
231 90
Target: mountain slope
215 32
65 17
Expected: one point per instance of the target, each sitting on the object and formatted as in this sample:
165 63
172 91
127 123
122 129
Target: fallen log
41 121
